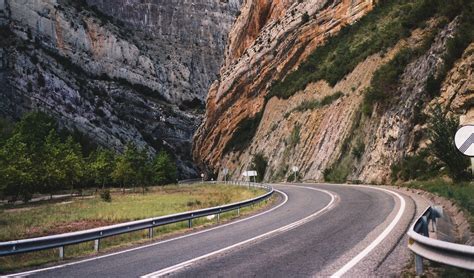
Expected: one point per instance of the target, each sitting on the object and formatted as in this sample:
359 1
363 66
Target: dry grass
78 214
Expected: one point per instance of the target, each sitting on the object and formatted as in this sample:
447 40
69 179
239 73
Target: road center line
293 225
23 274
378 240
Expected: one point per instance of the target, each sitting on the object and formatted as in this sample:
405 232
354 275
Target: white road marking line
300 222
378 240
23 274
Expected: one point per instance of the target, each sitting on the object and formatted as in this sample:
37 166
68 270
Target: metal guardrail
62 240
444 252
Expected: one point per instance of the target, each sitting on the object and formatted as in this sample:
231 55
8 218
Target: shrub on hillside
105 195
259 163
441 133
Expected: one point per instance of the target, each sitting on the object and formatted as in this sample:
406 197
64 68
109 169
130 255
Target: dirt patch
67 227
18 209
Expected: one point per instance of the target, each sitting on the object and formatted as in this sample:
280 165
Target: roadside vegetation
78 213
440 157
36 157
259 163
460 192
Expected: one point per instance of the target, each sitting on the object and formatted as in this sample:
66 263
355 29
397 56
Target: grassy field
75 214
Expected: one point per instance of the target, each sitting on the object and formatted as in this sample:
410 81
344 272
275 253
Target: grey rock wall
117 71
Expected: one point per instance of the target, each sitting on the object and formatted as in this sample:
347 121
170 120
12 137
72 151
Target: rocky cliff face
268 40
457 92
118 71
330 135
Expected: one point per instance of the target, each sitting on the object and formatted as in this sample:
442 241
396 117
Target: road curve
313 230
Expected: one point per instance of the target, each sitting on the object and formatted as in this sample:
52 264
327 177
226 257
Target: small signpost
295 170
250 174
464 140
202 178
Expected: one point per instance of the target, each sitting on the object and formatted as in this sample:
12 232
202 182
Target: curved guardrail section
444 252
61 240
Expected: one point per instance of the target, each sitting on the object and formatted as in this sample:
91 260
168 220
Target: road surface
317 230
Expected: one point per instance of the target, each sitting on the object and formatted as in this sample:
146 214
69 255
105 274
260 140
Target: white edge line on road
378 240
23 274
300 222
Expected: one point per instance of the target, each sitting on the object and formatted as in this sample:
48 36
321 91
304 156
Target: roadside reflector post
61 252
96 245
238 211
218 217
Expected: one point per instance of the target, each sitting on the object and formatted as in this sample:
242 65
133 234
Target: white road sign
250 174
295 169
464 140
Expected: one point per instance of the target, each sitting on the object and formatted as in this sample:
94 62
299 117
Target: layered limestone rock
393 135
118 71
325 136
268 39
457 92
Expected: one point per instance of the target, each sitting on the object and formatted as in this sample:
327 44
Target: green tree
144 169
123 171
441 133
164 169
259 163
101 165
131 167
54 174
6 130
23 156
15 164
72 162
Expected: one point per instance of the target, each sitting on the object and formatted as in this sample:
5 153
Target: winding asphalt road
317 230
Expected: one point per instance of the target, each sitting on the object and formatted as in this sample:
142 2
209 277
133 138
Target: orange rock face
268 40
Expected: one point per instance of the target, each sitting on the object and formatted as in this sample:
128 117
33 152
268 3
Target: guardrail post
96 245
419 265
190 223
238 211
150 232
61 252
218 217
424 226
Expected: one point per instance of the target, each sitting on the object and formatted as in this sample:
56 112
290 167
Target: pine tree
441 133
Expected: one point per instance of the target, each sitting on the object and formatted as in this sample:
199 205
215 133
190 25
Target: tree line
37 157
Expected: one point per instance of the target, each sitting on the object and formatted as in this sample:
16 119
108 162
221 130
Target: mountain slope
117 71
345 107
